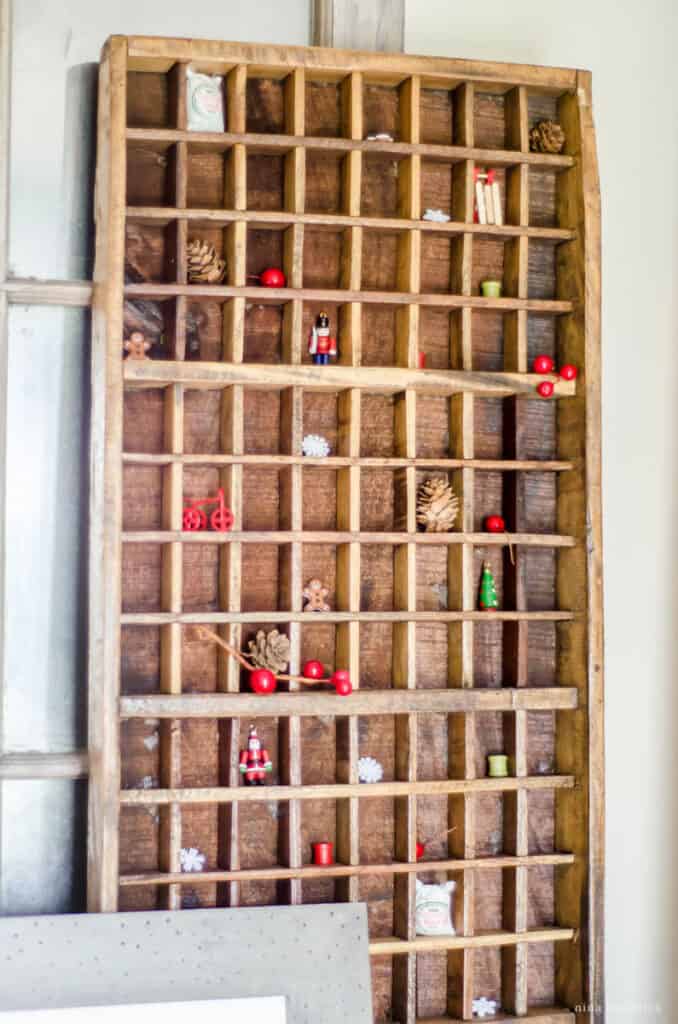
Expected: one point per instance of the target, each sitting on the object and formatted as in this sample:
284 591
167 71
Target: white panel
55 50
239 1011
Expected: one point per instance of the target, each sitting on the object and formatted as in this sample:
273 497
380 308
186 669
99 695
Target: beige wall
630 48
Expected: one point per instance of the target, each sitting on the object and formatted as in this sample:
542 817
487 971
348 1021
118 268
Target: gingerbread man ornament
136 346
315 596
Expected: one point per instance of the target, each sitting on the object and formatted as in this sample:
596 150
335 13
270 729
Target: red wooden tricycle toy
221 519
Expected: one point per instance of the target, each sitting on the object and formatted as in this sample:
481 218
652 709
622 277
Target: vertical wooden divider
293 263
291 428
347 653
179 186
171 642
350 313
232 430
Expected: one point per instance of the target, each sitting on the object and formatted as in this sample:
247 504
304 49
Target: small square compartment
266 498
320 416
261 423
325 178
433 582
543 197
538 567
377 577
381 109
318 643
259 838
319 561
142 569
542 652
379 334
265 248
209 169
261 574
377 426
200 661
490 490
541 276
441 262
324 108
487 261
493 733
383 500
541 811
488 653
538 509
324 255
377 739
157 321
318 825
150 252
487 963
202 422
489 822
144 420
433 427
201 577
541 337
140 650
264 331
489 120
142 497
139 755
440 338
379 191
433 744
437 116
310 312
487 340
150 103
150 178
434 640
319 498
381 257
541 902
377 641
488 422
541 742
443 187
502 178
541 974
265 181
378 891
538 435
265 106
210 326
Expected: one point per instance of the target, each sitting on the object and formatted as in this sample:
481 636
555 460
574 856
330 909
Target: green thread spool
491 289
497 766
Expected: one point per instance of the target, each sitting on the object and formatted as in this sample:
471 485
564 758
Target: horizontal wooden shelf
339 461
378 379
526 540
340 791
270 143
276 296
190 618
163 215
360 702
534 1015
486 940
347 870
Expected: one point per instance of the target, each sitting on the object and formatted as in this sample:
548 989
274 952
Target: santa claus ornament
254 761
320 343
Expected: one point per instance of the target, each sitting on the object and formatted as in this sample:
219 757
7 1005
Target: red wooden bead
341 680
272 277
262 680
420 850
495 524
545 388
543 364
313 670
568 371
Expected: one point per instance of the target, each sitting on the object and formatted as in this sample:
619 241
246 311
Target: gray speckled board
315 956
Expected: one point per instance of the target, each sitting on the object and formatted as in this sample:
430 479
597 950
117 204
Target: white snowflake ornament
435 215
484 1007
315 446
369 770
192 860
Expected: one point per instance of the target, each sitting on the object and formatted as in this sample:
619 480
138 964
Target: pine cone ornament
270 650
547 137
204 266
437 506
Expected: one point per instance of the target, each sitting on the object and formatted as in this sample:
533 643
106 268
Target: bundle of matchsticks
488 198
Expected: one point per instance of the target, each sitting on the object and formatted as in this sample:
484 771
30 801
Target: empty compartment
264 332
377 642
443 188
380 325
264 575
433 577
324 253
262 423
203 422
543 197
489 123
379 190
433 428
488 653
441 263
381 255
439 338
325 182
265 181
200 662
437 116
383 500
144 420
266 498
150 252
489 824
541 742
377 577
541 277
541 808
434 640
541 974
142 497
541 337
151 99
538 436
210 172
265 105
140 648
139 755
142 566
488 421
381 109
541 902
378 891
201 577
538 567
324 108
537 508
432 766
150 174
319 497
542 645
377 428
210 329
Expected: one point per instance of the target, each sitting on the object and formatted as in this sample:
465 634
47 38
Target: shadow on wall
79 164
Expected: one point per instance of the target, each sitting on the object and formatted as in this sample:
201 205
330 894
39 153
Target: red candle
421 360
323 854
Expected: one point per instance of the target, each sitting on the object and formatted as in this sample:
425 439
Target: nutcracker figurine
254 762
320 345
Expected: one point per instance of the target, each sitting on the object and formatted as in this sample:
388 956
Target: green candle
497 766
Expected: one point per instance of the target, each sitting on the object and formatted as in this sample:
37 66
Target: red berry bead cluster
340 680
544 364
262 680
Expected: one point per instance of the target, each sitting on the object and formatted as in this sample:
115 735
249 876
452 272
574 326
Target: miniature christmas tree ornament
488 601
254 761
315 446
321 345
437 506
